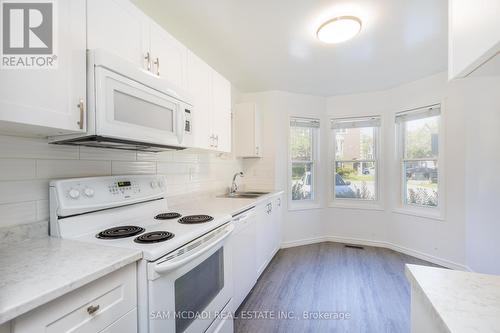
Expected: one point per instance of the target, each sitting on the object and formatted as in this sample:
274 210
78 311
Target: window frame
402 207
354 203
312 203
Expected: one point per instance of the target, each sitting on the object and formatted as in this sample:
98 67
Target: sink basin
243 195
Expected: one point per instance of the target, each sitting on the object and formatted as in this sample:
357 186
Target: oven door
188 288
127 109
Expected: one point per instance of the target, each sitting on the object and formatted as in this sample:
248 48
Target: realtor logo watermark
28 34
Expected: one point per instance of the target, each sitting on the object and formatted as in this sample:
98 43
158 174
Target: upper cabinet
168 56
474 37
49 100
211 94
120 27
247 130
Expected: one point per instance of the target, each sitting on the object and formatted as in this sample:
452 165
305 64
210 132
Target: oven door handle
169 265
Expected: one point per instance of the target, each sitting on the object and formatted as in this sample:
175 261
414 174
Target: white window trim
314 203
433 213
346 203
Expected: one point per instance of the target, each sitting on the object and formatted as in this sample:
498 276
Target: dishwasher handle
187 253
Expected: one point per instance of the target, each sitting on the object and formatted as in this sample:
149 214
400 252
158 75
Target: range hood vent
98 141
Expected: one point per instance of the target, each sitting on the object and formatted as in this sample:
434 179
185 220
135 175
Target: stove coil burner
167 216
120 232
154 237
194 219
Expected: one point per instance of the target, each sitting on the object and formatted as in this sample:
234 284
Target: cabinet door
169 57
119 27
47 99
199 86
247 130
221 91
277 216
264 235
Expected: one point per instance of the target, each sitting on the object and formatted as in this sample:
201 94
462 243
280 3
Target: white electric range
184 282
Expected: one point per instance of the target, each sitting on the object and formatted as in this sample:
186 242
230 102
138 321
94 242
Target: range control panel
79 195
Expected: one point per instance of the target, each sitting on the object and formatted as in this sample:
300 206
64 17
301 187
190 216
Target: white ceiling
270 44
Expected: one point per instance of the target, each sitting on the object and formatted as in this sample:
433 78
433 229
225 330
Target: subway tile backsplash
28 164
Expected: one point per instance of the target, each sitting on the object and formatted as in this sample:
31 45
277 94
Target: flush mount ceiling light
339 29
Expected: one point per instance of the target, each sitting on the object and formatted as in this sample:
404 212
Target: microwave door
128 109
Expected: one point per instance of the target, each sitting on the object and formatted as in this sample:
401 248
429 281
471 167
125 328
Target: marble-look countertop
215 205
463 301
36 271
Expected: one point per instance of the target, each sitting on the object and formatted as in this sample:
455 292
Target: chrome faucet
234 187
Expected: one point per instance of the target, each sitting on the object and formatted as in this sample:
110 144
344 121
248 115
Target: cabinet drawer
90 309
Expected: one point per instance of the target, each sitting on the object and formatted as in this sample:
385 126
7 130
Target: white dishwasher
244 255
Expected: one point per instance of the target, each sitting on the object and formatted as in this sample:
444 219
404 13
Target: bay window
418 135
355 158
303 155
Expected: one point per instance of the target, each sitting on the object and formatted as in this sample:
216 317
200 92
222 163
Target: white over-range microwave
129 108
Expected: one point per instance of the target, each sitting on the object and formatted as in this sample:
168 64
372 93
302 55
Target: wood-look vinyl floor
330 279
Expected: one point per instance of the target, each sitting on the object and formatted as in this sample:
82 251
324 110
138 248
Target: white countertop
34 272
463 301
214 205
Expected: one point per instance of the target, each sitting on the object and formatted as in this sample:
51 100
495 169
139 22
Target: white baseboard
383 244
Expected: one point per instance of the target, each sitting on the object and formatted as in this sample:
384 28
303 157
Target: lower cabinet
108 304
268 231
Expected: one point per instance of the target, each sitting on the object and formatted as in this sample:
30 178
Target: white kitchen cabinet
42 102
212 106
169 57
247 130
199 83
221 95
474 36
119 27
268 232
244 259
108 304
277 216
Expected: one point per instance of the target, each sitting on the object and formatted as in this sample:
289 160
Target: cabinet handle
217 141
147 57
81 106
93 309
211 140
257 150
279 202
157 63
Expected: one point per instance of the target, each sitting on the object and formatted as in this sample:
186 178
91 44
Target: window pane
421 138
354 144
421 183
355 180
301 139
302 181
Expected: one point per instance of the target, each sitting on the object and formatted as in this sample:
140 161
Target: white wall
440 240
480 98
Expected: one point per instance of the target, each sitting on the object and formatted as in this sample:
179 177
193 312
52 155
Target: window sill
361 206
420 213
303 206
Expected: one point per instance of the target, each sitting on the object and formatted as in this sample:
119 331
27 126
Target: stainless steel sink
243 195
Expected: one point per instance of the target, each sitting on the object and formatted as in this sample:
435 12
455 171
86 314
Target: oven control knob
160 184
88 192
153 184
74 193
